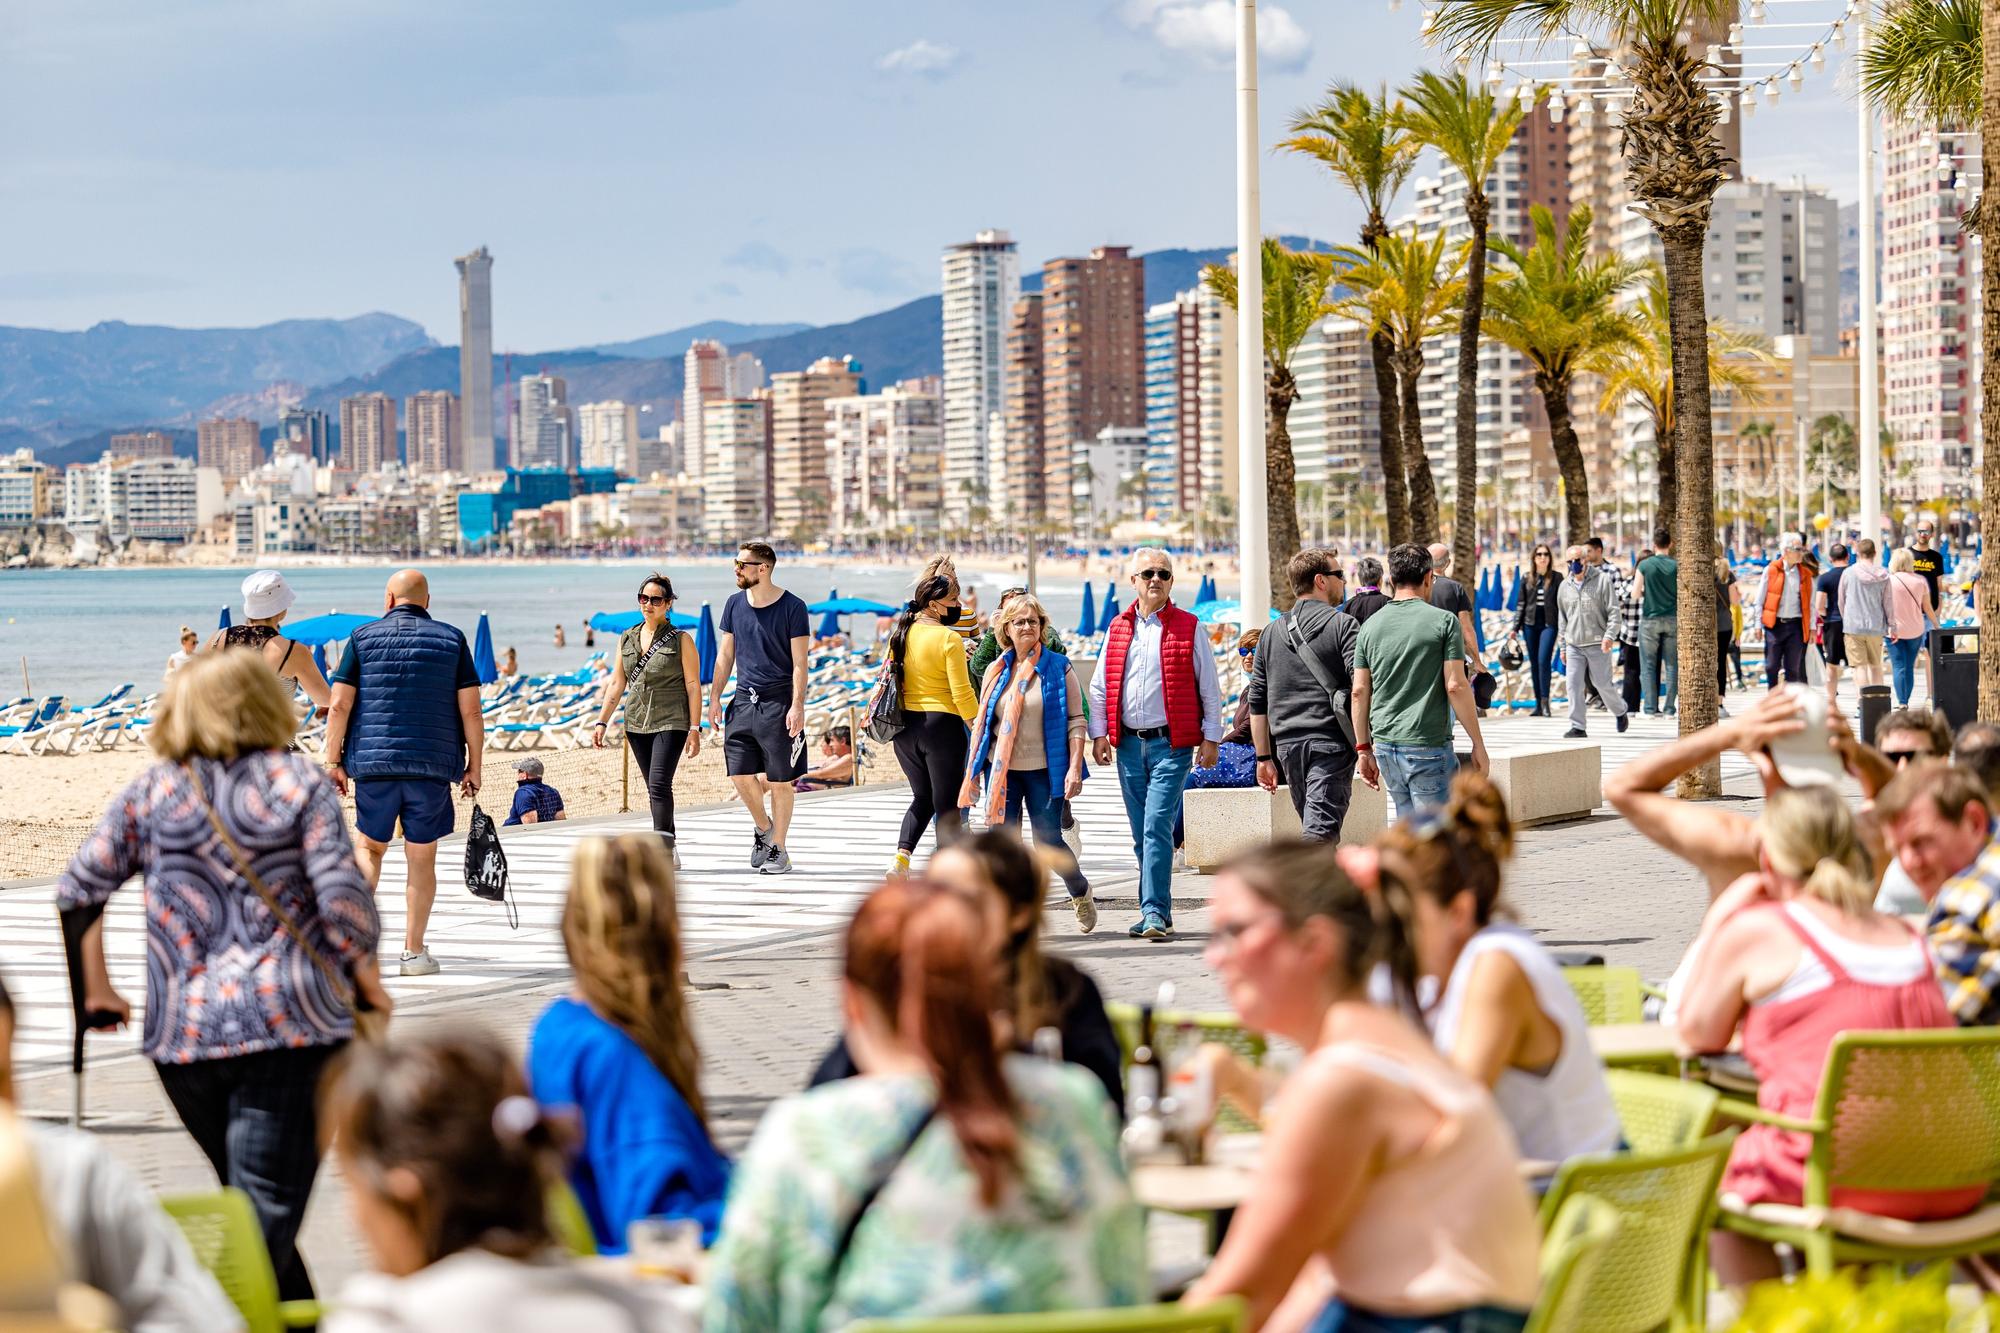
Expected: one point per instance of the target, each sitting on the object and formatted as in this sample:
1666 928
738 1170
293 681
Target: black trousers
1722 642
658 754
256 1119
1629 685
931 750
1785 646
1320 774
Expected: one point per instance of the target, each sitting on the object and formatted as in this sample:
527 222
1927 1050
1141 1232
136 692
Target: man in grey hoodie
1301 686
1863 616
1587 610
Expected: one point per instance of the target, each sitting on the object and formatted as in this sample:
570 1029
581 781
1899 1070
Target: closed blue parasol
829 621
1110 606
1514 591
705 644
225 619
1206 593
482 652
328 628
1086 624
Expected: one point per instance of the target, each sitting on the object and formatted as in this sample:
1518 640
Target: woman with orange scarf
1030 719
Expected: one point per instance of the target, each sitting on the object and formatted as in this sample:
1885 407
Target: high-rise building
142 444
800 499
1024 422
126 499
309 432
1093 359
433 433
368 432
475 359
1104 476
661 453
24 489
1772 262
705 379
1189 363
608 436
544 424
883 462
230 445
982 280
1336 422
743 374
736 472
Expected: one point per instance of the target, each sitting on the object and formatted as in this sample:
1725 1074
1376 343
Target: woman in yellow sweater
938 704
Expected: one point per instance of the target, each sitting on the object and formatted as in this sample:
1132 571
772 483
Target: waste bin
1956 687
1875 704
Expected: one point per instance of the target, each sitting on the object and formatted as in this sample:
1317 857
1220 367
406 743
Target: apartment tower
1024 423
735 487
982 280
368 432
230 445
1093 360
475 358
544 424
142 444
705 379
608 436
800 499
433 433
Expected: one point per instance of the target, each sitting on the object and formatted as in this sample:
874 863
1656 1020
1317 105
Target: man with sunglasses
1301 691
764 635
1154 700
1927 562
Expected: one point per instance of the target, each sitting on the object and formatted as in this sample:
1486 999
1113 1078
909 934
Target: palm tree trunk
1988 591
1280 483
1670 486
1465 508
1694 469
1416 463
1389 443
1569 457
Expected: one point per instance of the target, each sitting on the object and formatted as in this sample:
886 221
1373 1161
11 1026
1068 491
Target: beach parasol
617 622
319 659
225 619
482 652
1206 593
1086 624
1110 606
1514 591
829 622
1228 612
330 628
705 644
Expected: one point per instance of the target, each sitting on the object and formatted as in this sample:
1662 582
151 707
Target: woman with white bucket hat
266 599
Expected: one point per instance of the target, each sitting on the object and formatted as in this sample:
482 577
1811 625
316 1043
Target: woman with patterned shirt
945 1179
241 1017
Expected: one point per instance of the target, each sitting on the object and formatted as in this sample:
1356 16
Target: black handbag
486 865
885 705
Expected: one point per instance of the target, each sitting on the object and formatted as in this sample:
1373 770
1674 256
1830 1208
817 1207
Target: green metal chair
1572 1254
1223 1316
1167 1023
223 1232
1896 1111
1654 1273
568 1223
1661 1114
1609 994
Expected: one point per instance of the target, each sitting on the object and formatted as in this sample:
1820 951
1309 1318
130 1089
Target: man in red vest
1153 701
1782 602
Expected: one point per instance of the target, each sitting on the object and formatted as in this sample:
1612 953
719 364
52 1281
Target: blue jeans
1659 637
1340 1317
1029 790
1416 776
1541 641
1150 774
1903 655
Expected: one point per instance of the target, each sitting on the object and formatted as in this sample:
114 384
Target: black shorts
754 740
1833 644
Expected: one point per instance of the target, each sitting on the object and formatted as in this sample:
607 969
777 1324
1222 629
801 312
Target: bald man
405 726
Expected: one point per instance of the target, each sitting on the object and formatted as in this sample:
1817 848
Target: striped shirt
1964 934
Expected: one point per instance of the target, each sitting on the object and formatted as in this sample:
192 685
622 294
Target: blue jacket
406 722
1053 670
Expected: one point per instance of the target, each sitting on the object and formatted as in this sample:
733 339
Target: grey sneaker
1153 928
761 848
420 964
675 852
779 862
1085 908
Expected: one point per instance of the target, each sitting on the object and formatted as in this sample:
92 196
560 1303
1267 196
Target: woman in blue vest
1031 720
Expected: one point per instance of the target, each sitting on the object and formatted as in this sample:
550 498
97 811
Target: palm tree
1360 141
1939 60
1409 287
1643 371
1471 130
1556 304
1674 161
1295 288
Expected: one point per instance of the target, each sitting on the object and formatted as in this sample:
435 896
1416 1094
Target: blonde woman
246 1005
1911 611
620 1049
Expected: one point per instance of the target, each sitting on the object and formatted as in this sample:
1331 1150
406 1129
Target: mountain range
61 394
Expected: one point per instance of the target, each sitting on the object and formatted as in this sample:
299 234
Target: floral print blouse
223 977
1066 1234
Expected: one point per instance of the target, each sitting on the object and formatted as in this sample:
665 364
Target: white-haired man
1784 597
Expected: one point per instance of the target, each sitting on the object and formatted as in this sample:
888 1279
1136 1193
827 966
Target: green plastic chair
1609 994
1225 1028
1896 1111
222 1230
1661 1114
1654 1273
568 1223
1223 1316
1572 1255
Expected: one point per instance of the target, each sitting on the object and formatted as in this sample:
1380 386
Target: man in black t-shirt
763 635
1450 595
1826 613
1928 562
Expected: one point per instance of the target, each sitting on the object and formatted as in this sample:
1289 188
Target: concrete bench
1550 783
1224 821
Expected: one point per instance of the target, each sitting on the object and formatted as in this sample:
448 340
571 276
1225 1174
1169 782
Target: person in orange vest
1784 596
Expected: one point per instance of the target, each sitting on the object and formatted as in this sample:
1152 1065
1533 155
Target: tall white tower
475 357
982 280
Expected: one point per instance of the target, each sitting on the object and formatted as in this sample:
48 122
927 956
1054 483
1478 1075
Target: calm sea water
83 632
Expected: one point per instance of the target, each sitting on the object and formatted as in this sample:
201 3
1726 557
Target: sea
84 632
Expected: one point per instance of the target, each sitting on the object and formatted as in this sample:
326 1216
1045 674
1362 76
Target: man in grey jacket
1301 684
1587 610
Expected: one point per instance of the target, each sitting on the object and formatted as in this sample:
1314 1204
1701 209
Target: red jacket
1179 634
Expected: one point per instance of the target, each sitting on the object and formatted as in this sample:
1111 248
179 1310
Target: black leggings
931 749
1723 638
659 754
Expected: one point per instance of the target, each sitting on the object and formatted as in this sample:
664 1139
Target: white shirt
176 662
1142 697
1788 600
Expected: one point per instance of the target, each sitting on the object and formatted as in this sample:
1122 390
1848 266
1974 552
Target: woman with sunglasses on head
657 674
1535 621
1384 1168
939 703
1503 1012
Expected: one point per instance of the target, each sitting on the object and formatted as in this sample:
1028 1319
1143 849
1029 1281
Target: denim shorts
423 804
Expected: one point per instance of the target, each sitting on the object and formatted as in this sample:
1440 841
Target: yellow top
935 679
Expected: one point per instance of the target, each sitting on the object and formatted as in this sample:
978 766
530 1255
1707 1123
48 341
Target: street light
1252 502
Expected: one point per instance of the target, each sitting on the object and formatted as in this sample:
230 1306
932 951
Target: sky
640 165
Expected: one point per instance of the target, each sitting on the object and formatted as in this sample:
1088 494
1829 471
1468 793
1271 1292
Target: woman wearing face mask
938 704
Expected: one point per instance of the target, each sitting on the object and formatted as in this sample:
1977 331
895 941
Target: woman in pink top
1907 605
1796 954
1388 1178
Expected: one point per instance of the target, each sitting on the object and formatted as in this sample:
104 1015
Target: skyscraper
705 379
1093 359
433 432
1024 424
735 441
882 455
230 445
544 424
608 436
799 495
1187 356
982 280
142 444
367 432
1772 262
475 358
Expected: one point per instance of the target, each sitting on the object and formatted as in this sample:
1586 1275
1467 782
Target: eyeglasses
1163 575
1223 938
647 599
1901 757
750 564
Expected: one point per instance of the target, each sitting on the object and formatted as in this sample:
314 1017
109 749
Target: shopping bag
486 865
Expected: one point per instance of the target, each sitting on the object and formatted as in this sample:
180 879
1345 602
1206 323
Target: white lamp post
1870 443
1252 502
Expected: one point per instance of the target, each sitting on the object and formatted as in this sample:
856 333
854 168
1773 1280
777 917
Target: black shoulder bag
1318 670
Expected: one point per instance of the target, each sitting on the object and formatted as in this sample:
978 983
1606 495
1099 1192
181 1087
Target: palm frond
1469 125
1644 370
1296 283
1355 136
1478 25
1923 61
1556 303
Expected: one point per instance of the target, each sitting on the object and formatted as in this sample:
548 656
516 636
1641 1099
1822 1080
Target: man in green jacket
988 650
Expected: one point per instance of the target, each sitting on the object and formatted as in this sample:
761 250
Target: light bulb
1526 94
1839 36
1713 55
1798 78
1722 115
1556 110
1494 73
1464 61
1757 11
1581 51
1771 91
1818 57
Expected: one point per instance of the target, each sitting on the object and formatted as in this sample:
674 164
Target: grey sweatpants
1590 660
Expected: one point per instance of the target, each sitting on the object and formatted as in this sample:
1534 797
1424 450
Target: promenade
764 951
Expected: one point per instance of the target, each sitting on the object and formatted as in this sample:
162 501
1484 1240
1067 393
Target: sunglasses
647 599
1337 574
1163 575
750 564
1901 757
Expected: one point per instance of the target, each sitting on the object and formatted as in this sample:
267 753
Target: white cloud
924 57
1206 30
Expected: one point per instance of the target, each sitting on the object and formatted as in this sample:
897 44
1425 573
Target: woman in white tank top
1504 1013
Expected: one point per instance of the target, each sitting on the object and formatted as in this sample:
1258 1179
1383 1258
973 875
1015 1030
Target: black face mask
950 615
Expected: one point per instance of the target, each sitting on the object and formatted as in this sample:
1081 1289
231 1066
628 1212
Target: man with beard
764 636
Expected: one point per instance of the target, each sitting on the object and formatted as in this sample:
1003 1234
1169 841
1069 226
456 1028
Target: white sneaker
420 964
1086 912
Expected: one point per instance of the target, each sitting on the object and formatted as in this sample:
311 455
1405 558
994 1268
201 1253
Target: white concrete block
1367 814
1224 821
1545 784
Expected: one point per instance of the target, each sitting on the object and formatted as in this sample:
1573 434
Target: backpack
486 865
